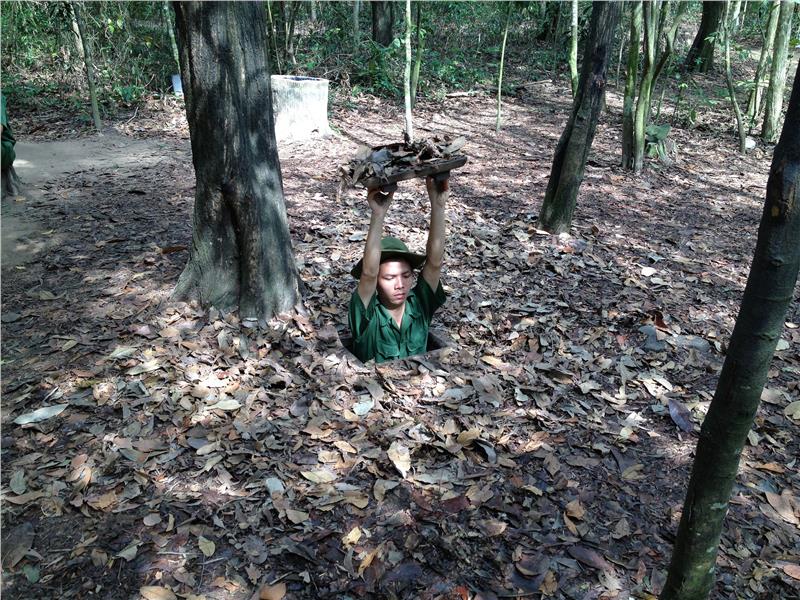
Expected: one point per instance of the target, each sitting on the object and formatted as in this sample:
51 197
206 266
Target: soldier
389 316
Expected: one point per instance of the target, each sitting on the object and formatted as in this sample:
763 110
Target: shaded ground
549 449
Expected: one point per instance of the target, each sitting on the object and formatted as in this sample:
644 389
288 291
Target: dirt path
43 166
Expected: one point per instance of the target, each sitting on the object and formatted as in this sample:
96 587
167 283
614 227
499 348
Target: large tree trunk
241 253
754 102
573 147
769 290
381 22
777 77
701 54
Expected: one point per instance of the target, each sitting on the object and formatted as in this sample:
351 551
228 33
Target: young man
388 318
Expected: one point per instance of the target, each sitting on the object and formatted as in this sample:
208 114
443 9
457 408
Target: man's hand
437 190
378 201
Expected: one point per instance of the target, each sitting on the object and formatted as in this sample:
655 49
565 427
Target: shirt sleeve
359 316
429 301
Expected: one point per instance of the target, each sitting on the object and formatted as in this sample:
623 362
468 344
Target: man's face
394 283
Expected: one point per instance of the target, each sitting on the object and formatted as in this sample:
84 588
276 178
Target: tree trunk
573 147
171 31
89 64
701 54
241 254
756 94
418 56
573 49
777 77
769 290
502 62
651 14
629 101
381 22
737 7
409 134
273 37
726 32
356 25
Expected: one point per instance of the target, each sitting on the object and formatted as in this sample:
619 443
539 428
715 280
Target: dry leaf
272 592
207 547
156 592
400 457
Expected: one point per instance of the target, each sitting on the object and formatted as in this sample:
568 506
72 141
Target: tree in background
701 54
769 290
777 76
573 147
381 22
500 73
241 254
756 94
86 53
650 17
409 133
573 49
726 40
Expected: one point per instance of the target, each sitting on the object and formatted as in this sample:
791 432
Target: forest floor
545 453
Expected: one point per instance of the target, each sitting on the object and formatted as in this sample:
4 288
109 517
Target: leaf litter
546 451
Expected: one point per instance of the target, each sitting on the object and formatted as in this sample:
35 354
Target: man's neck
397 313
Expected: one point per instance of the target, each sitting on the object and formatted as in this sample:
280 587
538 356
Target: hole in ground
437 340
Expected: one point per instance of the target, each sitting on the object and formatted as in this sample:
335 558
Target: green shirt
376 335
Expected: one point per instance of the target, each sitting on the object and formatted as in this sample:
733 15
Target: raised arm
438 193
379 203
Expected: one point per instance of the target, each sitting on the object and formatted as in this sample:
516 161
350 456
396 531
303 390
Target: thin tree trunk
409 134
729 80
769 291
171 30
573 49
737 6
290 54
77 33
777 77
273 37
241 253
420 42
701 54
756 94
89 64
502 63
650 11
629 101
569 162
356 25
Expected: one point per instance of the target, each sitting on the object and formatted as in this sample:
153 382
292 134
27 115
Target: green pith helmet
392 248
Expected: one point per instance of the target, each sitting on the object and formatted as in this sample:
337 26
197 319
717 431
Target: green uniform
8 141
376 335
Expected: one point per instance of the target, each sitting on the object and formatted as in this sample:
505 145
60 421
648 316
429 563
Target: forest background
585 411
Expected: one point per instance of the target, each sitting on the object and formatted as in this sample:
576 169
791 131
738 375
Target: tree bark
356 25
420 41
769 290
409 134
381 22
573 147
171 31
777 77
629 101
89 64
651 15
573 49
701 54
502 63
241 253
740 128
756 94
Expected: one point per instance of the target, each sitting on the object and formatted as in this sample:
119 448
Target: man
388 318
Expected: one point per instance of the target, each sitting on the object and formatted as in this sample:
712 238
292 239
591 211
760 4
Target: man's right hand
378 201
